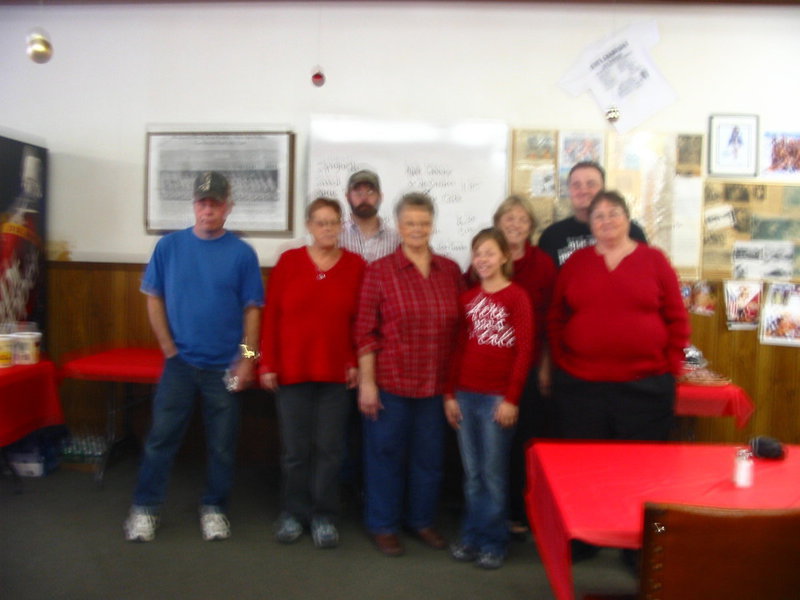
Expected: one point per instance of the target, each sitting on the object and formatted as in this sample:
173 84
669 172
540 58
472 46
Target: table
595 491
714 401
28 400
123 365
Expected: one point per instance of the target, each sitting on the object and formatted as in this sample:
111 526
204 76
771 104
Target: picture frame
575 147
780 154
780 315
733 145
258 164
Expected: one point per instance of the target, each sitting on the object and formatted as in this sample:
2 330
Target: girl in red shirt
491 366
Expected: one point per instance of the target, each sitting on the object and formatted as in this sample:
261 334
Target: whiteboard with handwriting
462 166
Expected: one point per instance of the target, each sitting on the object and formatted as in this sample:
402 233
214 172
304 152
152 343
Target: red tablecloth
595 491
714 401
129 365
28 400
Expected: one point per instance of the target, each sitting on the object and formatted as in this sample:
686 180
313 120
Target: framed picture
575 147
780 154
258 164
732 145
780 315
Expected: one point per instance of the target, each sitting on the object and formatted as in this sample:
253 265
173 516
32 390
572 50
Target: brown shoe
388 544
430 537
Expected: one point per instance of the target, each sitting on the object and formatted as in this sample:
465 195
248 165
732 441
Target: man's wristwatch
247 352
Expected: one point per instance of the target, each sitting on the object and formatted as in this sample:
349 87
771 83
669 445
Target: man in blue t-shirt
204 296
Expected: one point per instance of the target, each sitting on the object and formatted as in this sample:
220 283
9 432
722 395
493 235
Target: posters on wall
533 172
762 259
23 171
780 154
780 320
658 174
761 213
742 304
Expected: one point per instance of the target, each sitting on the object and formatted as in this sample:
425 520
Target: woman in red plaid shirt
406 332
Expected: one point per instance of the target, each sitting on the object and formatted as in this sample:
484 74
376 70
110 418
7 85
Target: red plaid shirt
410 322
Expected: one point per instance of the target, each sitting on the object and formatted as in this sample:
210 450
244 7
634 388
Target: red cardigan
536 274
307 327
618 325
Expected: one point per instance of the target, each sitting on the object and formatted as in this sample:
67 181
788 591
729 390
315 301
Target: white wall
119 69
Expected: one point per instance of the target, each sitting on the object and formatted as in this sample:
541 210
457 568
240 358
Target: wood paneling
95 305
100 305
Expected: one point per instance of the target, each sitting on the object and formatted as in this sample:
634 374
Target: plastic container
26 347
6 350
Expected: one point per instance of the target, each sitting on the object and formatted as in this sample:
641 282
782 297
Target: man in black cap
365 233
204 296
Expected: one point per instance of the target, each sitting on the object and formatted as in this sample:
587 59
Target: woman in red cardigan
617 328
535 272
308 358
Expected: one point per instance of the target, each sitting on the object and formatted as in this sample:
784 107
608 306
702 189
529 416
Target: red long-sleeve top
495 342
536 274
618 325
309 315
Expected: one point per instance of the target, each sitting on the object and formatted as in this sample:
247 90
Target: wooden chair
708 553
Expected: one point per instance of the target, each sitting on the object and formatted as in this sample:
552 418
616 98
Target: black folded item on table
764 446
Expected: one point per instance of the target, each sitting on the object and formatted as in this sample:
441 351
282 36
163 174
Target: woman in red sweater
617 328
535 272
490 367
308 358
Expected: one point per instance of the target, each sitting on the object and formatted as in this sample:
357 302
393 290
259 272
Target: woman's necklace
324 261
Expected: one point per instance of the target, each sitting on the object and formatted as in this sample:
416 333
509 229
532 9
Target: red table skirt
28 400
714 401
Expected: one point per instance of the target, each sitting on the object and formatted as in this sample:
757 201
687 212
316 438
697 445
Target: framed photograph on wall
733 145
575 147
258 164
780 315
780 154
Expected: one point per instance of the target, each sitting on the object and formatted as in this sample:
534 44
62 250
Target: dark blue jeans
172 411
485 448
403 460
313 418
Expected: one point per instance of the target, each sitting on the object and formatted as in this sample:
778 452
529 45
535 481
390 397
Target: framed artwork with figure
733 145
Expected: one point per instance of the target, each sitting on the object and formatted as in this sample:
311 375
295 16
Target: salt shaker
743 468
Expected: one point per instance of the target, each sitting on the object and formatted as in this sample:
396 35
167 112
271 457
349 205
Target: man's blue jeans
485 448
403 459
172 410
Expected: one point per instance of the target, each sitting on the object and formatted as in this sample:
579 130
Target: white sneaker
214 524
140 526
324 533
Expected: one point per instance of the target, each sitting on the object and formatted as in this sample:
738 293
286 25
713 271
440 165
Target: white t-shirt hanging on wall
619 71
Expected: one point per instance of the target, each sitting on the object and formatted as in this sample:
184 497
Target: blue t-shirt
206 285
